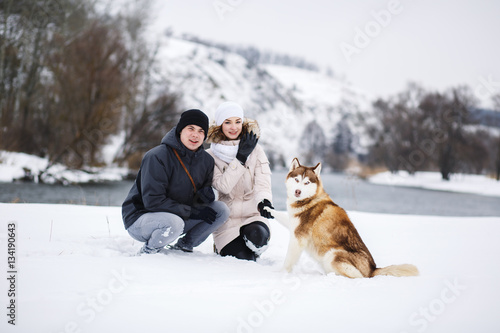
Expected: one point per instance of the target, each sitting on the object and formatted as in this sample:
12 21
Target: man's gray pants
160 229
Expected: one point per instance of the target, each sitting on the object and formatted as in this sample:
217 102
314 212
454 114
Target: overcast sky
378 45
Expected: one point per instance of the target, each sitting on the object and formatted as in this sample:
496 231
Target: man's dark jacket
162 185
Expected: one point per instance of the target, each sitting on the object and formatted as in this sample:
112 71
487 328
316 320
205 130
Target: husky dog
324 230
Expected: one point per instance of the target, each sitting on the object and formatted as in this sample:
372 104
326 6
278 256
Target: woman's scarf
226 150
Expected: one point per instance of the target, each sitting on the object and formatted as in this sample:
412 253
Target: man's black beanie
192 117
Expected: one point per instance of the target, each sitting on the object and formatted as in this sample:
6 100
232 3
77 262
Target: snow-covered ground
475 184
76 272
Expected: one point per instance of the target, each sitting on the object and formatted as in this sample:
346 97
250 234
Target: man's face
192 137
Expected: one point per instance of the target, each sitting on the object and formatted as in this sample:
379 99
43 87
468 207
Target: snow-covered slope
327 101
76 272
283 99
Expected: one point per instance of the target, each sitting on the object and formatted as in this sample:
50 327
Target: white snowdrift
15 166
76 272
463 183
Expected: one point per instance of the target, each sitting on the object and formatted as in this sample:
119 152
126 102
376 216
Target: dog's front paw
269 209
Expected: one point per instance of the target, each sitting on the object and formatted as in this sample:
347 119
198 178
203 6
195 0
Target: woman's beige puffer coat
241 187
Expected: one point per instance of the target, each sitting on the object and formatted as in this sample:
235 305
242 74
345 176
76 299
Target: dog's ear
317 169
295 164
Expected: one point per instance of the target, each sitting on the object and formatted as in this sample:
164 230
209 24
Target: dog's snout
297 192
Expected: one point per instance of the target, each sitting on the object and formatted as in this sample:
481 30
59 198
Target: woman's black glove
206 214
247 144
262 211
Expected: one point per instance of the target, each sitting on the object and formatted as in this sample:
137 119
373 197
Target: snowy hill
327 101
76 272
283 99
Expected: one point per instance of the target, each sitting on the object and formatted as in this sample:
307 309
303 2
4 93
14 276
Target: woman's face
231 127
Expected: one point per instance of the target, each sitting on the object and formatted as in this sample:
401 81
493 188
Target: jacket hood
171 139
215 134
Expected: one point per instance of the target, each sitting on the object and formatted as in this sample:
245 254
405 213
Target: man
172 193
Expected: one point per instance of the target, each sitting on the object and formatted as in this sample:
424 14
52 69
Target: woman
242 177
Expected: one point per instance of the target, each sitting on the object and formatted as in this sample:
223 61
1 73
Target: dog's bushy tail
397 270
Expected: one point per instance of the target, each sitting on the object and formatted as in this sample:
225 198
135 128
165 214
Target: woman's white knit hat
228 110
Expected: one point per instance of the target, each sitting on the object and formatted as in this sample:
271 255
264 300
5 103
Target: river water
348 192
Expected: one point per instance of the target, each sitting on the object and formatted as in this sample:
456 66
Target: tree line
72 76
418 130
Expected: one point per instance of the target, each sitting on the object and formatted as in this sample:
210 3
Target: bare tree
447 115
145 130
89 78
151 109
313 143
496 102
26 27
399 131
341 147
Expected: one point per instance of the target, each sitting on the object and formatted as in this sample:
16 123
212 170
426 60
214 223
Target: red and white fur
323 229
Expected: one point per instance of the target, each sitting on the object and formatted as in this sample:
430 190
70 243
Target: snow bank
76 272
14 166
463 183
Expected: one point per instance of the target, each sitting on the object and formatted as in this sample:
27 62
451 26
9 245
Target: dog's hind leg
342 266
